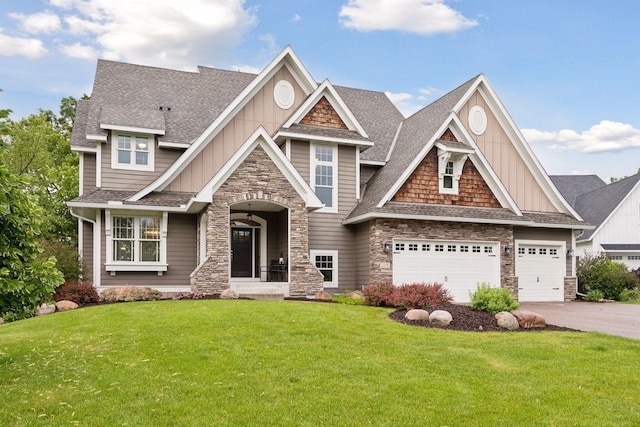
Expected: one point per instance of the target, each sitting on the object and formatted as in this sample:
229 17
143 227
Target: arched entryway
248 243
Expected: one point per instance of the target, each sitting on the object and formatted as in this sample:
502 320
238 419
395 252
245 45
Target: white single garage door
540 268
458 265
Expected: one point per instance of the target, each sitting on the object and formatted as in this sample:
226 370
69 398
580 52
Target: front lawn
216 362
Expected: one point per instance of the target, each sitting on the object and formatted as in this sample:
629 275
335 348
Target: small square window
413 247
532 251
464 248
438 248
451 248
399 246
488 249
542 251
553 252
426 247
521 251
475 249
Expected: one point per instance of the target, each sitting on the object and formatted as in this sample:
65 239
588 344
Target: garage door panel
458 266
540 269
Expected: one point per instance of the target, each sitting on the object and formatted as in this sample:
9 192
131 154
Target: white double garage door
461 265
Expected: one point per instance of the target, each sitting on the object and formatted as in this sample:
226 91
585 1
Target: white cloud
606 136
80 51
409 104
296 18
45 22
17 46
156 32
425 17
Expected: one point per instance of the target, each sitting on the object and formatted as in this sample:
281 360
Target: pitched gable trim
260 138
287 58
132 129
327 90
601 225
485 90
393 143
476 157
303 136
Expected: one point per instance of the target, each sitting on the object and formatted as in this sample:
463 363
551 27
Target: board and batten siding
506 161
261 110
624 225
123 179
547 234
88 172
326 231
87 249
181 257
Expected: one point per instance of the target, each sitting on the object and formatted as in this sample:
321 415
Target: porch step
262 296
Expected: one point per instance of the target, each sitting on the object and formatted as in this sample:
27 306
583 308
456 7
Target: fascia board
133 129
121 206
341 141
372 163
327 89
485 169
167 144
92 137
80 149
260 138
224 118
375 215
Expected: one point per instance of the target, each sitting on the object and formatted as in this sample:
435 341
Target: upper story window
450 166
132 151
324 162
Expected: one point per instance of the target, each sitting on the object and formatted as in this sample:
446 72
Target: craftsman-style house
275 184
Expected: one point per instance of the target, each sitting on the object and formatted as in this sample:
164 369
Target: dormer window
450 166
132 151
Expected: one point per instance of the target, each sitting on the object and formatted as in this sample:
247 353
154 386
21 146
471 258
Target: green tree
26 280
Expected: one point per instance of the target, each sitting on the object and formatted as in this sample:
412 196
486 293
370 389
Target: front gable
423 186
323 114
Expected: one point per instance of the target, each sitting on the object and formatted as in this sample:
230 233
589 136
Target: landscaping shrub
130 293
630 295
67 261
594 295
596 271
191 295
413 295
78 292
493 300
379 294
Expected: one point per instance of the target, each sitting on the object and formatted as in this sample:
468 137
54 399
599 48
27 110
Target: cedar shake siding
323 114
422 186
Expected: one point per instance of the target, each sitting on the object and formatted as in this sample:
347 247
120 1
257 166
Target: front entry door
241 252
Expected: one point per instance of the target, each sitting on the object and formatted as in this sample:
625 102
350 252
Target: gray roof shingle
571 186
164 199
596 206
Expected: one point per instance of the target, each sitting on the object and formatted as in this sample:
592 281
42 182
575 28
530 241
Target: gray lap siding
181 257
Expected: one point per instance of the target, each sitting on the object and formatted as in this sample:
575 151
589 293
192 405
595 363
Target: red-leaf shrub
379 294
413 295
78 292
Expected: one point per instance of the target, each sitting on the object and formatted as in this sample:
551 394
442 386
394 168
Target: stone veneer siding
422 186
323 114
570 288
382 230
258 178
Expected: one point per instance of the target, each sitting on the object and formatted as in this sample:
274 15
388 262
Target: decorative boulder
440 318
529 319
356 295
507 320
45 309
66 305
324 295
417 314
1 321
229 294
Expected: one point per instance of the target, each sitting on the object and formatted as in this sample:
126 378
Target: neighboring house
276 184
613 209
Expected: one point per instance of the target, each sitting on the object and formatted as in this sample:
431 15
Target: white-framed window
136 241
327 262
324 175
450 166
132 151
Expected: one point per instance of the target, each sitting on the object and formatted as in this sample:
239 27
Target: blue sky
567 71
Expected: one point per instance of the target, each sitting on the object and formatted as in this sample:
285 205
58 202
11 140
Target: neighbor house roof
592 198
571 186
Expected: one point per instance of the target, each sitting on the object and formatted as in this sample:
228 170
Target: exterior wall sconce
508 249
570 253
386 246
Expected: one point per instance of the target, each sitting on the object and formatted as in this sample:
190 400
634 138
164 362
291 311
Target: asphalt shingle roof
571 186
165 199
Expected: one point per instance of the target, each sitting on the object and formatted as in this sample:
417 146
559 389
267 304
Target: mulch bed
466 319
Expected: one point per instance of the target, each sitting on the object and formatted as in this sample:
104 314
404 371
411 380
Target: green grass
215 362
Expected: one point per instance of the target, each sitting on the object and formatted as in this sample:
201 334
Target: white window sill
113 267
142 168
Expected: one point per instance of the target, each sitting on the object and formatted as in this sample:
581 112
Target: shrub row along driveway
615 319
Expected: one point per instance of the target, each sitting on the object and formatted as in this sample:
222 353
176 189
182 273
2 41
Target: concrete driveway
614 319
